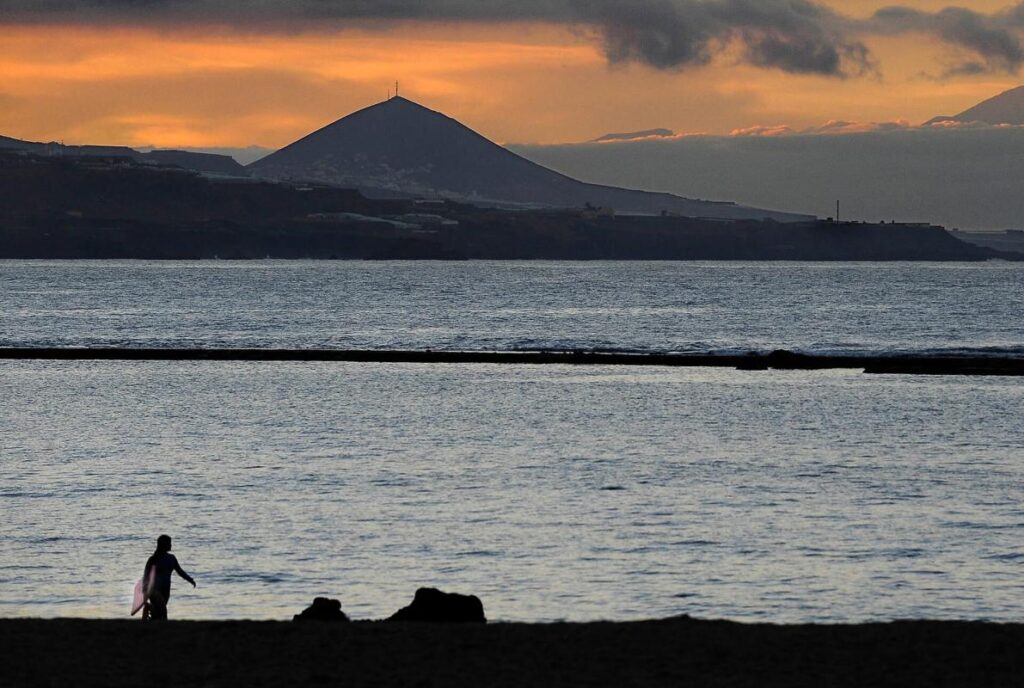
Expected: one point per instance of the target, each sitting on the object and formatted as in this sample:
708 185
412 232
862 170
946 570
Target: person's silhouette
157 579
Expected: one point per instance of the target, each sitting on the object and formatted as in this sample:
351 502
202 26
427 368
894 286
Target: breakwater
776 360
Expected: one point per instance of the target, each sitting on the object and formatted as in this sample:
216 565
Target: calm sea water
691 307
551 492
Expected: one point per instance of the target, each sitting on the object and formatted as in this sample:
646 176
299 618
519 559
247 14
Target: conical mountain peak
401 101
395 111
397 104
399 145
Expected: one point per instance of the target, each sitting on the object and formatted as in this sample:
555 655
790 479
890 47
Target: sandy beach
671 652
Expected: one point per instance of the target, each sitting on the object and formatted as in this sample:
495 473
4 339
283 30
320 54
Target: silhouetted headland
117 206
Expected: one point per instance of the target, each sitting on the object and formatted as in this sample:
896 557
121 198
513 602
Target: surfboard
139 596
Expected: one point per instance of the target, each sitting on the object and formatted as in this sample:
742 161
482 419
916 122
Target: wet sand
672 652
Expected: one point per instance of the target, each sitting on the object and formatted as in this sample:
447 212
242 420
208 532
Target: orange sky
514 83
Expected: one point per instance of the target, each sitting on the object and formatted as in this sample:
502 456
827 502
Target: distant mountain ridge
402 147
1005 108
198 162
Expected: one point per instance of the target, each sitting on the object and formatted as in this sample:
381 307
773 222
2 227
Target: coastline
675 651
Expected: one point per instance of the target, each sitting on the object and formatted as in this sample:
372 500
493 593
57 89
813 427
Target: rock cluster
322 609
430 604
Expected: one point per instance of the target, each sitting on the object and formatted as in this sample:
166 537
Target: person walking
157 579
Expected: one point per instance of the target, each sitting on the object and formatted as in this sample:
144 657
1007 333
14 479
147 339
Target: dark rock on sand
322 609
430 604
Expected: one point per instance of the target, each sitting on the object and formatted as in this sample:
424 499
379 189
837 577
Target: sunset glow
525 82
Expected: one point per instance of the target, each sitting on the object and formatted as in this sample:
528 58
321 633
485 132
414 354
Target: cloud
797 36
832 127
793 36
844 127
949 123
994 38
761 130
635 135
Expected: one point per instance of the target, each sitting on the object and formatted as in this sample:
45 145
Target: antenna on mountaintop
396 88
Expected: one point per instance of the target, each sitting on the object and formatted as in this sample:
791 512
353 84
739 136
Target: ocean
552 492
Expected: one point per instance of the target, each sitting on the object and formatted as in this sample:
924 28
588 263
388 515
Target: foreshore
671 652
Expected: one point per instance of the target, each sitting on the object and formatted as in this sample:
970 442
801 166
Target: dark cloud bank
967 178
796 36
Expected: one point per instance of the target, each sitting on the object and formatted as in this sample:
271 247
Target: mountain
188 160
243 156
401 146
57 149
1005 108
199 162
6 142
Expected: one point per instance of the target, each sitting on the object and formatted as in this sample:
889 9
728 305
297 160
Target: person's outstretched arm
181 572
